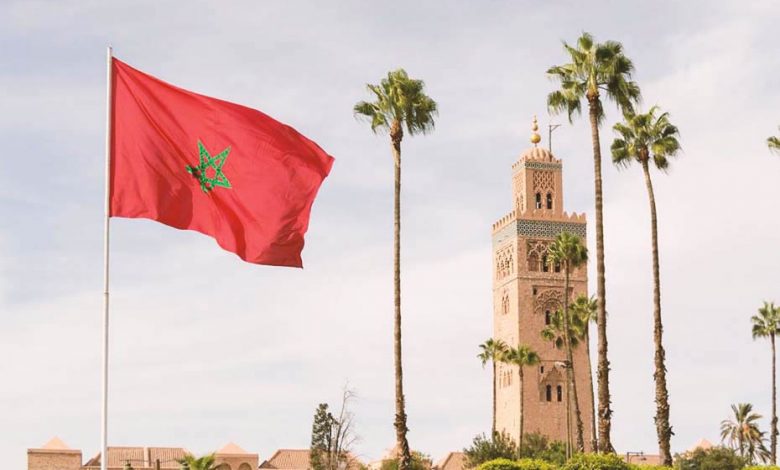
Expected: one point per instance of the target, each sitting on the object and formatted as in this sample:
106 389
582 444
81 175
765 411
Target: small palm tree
646 138
521 356
399 101
767 325
773 142
190 462
585 310
596 68
569 252
742 433
493 351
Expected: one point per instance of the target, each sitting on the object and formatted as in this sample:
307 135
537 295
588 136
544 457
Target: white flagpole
104 391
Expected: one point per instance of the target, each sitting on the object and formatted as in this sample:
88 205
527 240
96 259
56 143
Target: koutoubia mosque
527 291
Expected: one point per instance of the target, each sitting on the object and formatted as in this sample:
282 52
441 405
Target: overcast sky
206 349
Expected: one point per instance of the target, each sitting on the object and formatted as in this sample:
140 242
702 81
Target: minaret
526 292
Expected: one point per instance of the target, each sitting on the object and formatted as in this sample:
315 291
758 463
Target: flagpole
104 390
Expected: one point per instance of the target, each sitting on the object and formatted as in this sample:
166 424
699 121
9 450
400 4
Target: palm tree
596 68
585 310
190 462
569 252
767 325
492 350
521 356
399 101
646 138
743 434
773 142
554 332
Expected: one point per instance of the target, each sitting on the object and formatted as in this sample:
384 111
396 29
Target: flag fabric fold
199 163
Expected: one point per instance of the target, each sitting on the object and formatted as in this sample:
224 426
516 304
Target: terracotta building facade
527 291
56 455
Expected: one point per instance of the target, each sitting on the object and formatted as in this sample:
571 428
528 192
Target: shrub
499 464
596 462
538 446
535 464
482 449
715 458
634 466
762 467
522 464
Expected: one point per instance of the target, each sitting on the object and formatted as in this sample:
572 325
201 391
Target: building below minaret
527 292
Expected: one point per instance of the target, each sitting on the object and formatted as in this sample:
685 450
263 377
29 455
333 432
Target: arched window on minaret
533 262
559 391
549 393
538 200
547 317
557 267
545 267
549 200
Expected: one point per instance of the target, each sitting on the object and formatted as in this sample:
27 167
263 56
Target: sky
207 349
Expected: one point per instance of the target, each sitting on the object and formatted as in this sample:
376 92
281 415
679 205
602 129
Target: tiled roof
140 457
288 459
55 444
453 461
168 456
298 459
231 448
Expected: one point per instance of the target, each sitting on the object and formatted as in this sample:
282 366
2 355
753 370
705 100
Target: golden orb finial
535 137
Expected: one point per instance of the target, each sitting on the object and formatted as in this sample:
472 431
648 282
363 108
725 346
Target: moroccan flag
199 163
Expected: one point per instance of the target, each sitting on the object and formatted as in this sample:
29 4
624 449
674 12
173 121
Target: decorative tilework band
539 229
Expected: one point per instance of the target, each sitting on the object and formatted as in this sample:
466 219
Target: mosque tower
526 292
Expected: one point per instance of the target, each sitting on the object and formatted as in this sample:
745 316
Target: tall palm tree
493 351
585 309
648 138
773 142
399 101
190 462
742 433
521 356
596 68
569 252
767 325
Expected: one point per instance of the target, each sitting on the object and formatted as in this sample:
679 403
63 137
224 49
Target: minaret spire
535 137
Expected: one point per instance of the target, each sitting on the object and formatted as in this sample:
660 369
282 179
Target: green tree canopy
644 137
595 68
482 449
400 102
743 434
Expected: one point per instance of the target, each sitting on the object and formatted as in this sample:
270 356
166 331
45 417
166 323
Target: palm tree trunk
493 428
522 396
570 358
773 431
594 443
663 429
605 413
405 459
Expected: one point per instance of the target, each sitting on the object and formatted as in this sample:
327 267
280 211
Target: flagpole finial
535 137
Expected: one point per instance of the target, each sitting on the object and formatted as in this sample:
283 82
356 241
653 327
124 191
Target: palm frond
773 142
399 100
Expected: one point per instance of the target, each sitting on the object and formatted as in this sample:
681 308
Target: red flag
199 163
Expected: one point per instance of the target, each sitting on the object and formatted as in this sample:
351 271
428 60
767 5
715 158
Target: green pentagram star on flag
207 183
